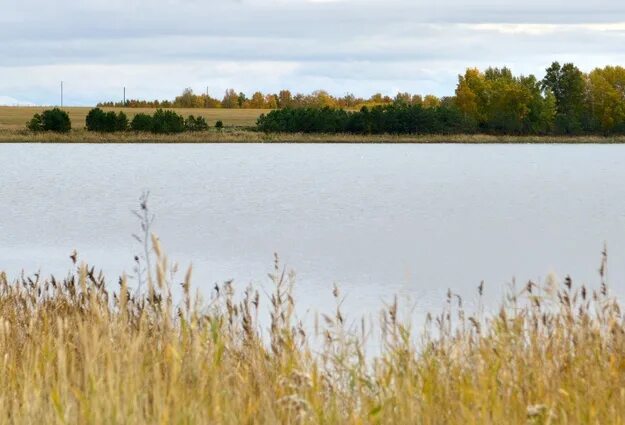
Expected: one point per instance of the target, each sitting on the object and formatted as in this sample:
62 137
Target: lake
378 220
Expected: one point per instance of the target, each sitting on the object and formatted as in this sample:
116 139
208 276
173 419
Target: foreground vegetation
75 351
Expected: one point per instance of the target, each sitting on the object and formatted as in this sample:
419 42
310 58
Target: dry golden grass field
16 117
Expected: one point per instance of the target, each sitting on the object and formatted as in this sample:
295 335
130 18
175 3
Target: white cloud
9 101
545 29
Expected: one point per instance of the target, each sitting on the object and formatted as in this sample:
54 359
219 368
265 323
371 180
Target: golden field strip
12 117
239 125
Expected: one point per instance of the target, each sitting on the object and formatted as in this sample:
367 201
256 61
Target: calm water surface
378 220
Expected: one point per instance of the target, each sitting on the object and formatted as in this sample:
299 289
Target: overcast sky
156 48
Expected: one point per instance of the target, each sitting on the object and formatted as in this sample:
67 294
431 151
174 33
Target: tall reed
74 350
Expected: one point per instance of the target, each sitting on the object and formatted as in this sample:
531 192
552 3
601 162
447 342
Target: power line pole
124 104
61 94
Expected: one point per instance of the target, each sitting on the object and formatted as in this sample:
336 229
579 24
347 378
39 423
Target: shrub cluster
106 122
55 120
393 119
195 124
162 122
167 122
141 122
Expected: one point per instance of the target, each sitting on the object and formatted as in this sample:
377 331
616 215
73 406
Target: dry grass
72 351
83 136
15 118
239 135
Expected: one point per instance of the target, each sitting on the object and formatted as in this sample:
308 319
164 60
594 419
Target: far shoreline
244 136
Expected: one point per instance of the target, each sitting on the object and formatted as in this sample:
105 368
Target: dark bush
195 124
106 122
141 122
167 122
219 125
51 120
391 119
95 120
121 122
35 123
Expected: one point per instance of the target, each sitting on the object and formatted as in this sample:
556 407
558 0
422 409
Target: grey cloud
289 19
420 42
162 46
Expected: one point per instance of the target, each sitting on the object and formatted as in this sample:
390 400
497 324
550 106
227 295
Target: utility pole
124 97
61 94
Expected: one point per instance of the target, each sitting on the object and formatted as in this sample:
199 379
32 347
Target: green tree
568 85
242 100
195 123
141 122
167 122
55 120
121 122
95 120
542 107
402 99
106 122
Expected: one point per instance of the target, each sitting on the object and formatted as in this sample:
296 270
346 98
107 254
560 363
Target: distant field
12 117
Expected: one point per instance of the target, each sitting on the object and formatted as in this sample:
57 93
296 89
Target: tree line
284 99
566 101
394 118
